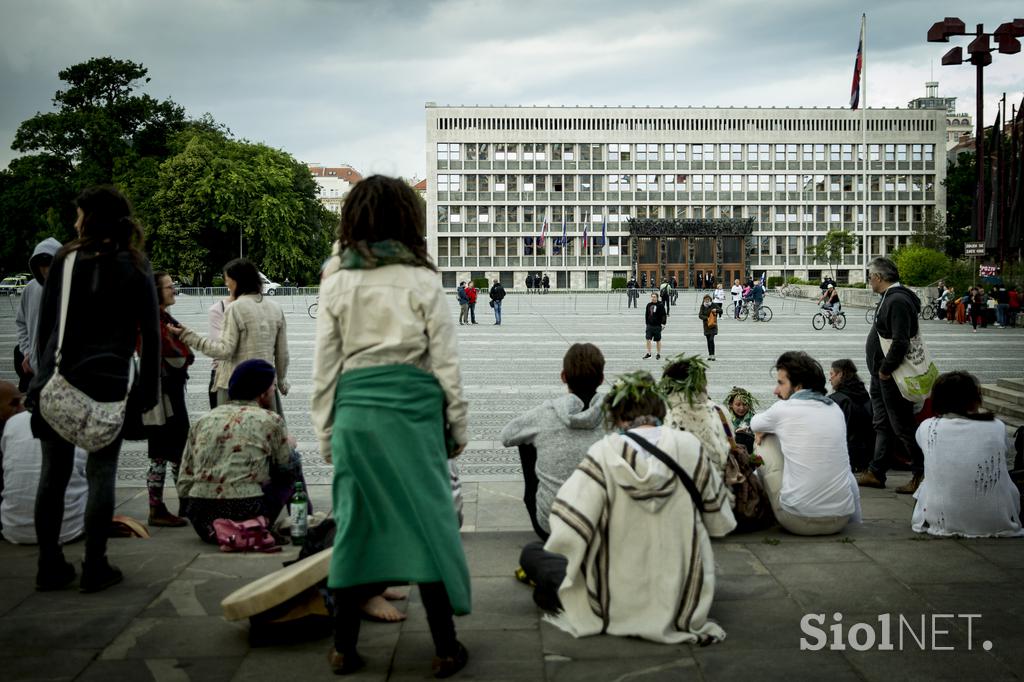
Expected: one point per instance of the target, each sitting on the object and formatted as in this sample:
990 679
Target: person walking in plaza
675 289
497 295
388 410
968 492
976 308
757 297
708 314
849 393
631 292
1013 299
111 305
471 292
215 323
655 318
1002 305
666 296
719 299
546 283
463 299
166 442
895 321
737 298
254 328
28 311
802 440
529 283
700 281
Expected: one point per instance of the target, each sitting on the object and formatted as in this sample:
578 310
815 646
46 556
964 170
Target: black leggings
100 472
711 343
347 616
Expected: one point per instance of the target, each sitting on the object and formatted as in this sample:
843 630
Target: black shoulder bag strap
687 482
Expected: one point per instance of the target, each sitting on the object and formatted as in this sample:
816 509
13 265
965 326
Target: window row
717 123
683 182
542 151
598 216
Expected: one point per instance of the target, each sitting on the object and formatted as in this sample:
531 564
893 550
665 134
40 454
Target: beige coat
390 315
254 329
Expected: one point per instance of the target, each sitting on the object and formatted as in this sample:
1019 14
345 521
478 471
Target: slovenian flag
543 233
764 276
858 66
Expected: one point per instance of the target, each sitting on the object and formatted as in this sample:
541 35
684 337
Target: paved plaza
164 622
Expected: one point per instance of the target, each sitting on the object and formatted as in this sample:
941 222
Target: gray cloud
345 81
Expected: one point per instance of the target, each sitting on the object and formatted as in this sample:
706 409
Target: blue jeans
1002 312
497 312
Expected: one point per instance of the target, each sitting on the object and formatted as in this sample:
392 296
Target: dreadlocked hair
380 208
744 395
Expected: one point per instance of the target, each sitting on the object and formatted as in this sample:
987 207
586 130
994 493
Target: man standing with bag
895 324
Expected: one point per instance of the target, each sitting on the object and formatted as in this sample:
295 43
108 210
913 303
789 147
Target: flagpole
864 132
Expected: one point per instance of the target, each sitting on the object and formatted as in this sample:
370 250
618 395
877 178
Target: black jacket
113 304
853 399
655 314
896 319
497 292
703 314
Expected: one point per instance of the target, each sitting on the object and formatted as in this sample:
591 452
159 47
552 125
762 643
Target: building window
447 151
847 152
819 152
929 153
698 153
901 152
833 152
780 152
915 153
807 153
890 152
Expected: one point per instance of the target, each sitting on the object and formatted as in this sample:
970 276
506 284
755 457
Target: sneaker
711 358
55 577
98 577
867 479
344 664
160 517
658 356
910 488
975 331
646 355
446 666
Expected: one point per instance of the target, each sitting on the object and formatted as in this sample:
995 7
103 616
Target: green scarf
387 252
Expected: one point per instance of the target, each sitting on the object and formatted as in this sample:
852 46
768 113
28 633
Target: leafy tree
35 203
833 246
961 185
919 265
215 190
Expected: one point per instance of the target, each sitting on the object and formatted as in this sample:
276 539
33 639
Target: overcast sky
345 81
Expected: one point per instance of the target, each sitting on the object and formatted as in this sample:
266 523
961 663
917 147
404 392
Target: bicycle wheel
744 312
818 321
765 314
927 313
313 309
840 320
869 316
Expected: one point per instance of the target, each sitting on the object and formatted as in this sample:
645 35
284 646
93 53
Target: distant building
421 188
588 194
957 124
334 183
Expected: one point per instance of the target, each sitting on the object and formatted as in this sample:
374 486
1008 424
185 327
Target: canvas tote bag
917 373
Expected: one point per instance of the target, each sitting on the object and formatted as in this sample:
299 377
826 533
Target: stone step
1004 394
1011 384
1004 409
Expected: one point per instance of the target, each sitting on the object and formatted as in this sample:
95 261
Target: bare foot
377 608
391 594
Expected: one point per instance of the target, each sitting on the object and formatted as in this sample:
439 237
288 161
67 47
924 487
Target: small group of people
536 282
466 295
998 307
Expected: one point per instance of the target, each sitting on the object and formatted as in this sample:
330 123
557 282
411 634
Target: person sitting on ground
560 431
802 441
849 393
630 551
21 461
685 385
239 462
741 405
968 491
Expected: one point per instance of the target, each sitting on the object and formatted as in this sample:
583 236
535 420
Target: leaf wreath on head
692 385
744 395
633 386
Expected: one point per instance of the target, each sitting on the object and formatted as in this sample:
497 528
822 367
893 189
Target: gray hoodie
31 296
562 431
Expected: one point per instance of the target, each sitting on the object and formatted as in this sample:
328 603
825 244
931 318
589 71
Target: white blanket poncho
639 556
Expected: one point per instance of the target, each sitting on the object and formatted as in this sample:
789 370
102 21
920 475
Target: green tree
831 248
216 190
35 203
919 265
961 185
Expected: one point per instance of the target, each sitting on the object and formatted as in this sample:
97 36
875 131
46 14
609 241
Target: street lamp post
980 52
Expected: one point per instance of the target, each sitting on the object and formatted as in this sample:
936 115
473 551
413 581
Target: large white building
644 189
958 124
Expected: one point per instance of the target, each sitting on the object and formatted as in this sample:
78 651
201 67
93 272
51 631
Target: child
740 405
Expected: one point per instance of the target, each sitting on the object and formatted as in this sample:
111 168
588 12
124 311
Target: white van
269 288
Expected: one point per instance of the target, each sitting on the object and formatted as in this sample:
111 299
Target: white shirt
22 464
816 476
719 295
967 491
737 293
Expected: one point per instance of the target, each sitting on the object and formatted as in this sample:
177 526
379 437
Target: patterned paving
510 368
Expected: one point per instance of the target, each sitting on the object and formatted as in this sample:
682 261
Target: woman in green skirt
388 410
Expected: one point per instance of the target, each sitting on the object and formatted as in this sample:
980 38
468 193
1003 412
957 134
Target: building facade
957 124
334 183
554 190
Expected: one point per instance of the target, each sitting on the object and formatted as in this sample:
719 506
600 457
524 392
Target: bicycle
314 308
869 315
764 314
928 309
837 321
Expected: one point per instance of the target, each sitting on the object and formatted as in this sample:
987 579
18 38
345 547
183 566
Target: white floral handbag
77 418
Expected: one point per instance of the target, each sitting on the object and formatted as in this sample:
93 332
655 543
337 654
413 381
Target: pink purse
252 535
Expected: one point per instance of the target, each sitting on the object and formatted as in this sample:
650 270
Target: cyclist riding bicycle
831 301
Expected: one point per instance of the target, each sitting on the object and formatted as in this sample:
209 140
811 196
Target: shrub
481 283
773 282
618 282
919 265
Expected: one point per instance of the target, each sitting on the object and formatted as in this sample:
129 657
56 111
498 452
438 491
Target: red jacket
471 294
1014 298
